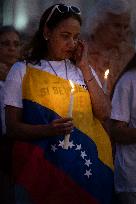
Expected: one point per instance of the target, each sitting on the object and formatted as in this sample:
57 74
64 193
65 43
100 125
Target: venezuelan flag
44 172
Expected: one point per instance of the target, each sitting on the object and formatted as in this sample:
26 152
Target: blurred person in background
9 49
9 54
110 37
123 130
111 46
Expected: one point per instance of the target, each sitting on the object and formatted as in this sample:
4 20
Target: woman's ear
46 33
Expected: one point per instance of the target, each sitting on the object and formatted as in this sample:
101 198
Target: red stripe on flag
45 183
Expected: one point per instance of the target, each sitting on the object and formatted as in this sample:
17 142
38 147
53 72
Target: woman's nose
12 47
72 43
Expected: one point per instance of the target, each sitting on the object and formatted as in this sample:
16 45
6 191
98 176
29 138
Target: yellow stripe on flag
53 92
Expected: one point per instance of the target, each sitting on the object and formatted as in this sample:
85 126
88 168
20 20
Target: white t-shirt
13 84
124 109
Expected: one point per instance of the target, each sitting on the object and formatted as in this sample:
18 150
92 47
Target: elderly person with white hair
111 45
110 37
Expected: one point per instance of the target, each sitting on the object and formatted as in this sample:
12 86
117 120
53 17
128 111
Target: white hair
98 14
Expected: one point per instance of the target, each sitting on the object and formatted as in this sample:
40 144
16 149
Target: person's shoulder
126 80
19 68
132 74
127 77
19 65
129 74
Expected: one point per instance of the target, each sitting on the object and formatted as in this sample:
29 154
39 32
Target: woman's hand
61 126
81 55
19 130
100 102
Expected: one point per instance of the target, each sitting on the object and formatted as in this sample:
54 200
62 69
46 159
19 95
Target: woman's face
9 48
63 39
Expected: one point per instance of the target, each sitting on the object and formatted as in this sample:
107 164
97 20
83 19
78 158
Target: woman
124 134
9 53
9 49
44 171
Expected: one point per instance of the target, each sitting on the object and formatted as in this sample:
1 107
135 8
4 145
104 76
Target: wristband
89 80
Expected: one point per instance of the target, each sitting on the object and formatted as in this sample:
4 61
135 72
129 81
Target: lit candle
66 139
105 81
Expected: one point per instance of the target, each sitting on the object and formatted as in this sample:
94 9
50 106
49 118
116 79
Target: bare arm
122 134
16 129
100 101
4 69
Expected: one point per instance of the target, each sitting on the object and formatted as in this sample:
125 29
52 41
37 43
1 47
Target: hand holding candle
66 139
105 81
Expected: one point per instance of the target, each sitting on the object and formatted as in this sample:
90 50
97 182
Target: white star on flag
53 148
78 147
87 162
88 173
83 154
61 143
71 144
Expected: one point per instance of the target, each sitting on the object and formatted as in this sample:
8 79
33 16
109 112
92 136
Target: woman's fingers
83 59
62 120
84 50
62 126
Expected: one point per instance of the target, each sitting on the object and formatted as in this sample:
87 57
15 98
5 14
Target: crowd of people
69 143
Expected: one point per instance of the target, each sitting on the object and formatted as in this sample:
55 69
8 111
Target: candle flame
71 84
106 73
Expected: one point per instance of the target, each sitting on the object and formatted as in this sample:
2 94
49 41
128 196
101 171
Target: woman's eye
76 37
16 44
5 43
65 36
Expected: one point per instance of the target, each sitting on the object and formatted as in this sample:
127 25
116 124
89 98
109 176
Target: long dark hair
130 66
37 48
